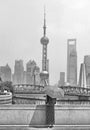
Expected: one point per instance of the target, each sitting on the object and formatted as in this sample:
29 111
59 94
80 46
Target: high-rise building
29 71
5 73
24 77
45 62
82 76
62 79
32 73
87 69
18 72
71 62
37 76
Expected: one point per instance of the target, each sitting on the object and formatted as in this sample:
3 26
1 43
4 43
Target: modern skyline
21 29
30 75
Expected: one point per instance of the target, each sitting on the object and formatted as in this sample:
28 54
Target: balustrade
68 90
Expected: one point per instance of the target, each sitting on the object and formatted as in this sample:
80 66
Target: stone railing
71 116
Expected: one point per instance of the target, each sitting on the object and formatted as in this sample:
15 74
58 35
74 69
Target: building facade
87 69
62 79
71 62
32 73
5 73
24 77
82 76
18 76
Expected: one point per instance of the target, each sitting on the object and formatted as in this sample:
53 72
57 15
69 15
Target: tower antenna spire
45 62
44 27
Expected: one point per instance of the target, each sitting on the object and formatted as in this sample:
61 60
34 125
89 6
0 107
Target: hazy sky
21 23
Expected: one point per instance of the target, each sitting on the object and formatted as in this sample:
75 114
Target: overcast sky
21 23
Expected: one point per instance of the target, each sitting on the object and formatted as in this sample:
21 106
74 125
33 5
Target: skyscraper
5 73
37 76
62 78
24 77
71 62
82 76
87 69
32 73
45 62
18 72
29 71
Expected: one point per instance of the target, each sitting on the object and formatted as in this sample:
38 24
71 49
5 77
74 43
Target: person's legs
50 115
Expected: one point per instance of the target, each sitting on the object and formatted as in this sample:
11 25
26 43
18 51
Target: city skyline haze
21 28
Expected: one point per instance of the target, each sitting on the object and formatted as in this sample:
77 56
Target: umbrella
54 91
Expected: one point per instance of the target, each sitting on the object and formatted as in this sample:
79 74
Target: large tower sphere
44 40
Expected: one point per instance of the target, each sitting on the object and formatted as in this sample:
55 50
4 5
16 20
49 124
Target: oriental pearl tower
44 75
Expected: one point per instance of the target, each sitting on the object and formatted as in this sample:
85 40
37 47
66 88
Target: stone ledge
22 107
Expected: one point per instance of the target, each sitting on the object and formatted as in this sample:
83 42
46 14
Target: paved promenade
54 128
22 128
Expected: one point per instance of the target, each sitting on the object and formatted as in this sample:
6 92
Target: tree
7 85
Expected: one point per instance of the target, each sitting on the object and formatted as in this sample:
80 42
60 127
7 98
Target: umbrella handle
46 83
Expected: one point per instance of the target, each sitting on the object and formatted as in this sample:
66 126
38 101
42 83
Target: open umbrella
54 91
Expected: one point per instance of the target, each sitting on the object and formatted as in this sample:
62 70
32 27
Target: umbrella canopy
54 91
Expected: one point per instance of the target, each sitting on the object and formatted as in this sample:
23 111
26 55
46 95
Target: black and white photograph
44 64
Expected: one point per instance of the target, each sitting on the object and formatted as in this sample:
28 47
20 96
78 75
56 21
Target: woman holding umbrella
52 92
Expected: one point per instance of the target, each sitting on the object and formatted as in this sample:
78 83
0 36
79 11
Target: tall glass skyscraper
71 62
87 69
